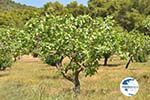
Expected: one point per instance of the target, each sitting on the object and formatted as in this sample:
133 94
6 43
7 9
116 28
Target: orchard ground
30 79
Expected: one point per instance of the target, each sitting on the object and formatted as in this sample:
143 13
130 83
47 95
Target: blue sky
40 3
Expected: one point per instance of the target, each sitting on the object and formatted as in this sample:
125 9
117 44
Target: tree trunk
76 83
105 61
127 65
15 58
74 78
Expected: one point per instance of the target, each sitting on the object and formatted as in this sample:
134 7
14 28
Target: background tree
133 45
128 13
55 8
110 38
75 9
97 8
144 26
5 50
12 45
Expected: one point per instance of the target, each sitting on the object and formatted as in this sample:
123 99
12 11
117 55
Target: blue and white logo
129 86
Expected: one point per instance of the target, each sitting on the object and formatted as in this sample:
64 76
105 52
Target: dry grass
30 79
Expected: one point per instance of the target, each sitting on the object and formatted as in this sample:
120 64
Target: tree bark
76 83
15 58
105 61
74 78
127 65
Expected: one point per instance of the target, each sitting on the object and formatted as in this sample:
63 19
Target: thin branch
81 68
64 75
67 77
66 69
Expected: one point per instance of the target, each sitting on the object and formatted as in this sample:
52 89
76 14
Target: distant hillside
9 5
15 14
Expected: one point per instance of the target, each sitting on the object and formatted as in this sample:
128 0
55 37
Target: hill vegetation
15 14
129 14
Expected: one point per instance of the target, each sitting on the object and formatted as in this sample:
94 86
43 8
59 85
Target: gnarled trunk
74 78
76 83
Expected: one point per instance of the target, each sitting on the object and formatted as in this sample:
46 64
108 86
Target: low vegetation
31 79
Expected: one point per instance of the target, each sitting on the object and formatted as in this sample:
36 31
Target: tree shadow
3 75
111 65
49 77
132 69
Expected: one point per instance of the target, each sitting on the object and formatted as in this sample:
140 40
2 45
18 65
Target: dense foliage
127 13
5 50
12 45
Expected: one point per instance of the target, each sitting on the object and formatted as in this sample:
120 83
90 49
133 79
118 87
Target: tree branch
64 75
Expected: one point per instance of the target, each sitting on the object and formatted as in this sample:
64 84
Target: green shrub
52 59
141 57
5 61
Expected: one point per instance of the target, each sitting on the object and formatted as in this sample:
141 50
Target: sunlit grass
30 79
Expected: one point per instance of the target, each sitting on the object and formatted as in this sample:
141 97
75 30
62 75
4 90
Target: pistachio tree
133 44
83 40
68 37
5 50
17 44
12 45
110 38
